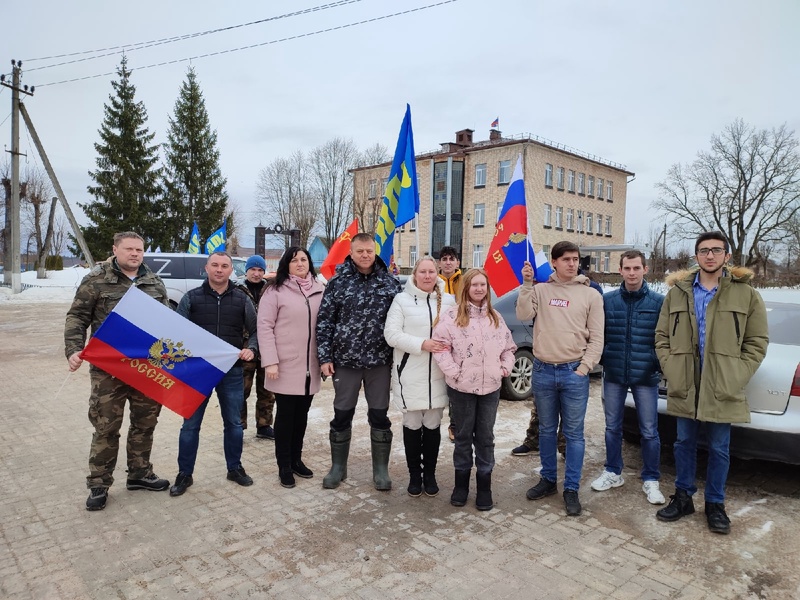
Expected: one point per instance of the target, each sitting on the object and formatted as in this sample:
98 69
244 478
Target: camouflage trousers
265 400
106 410
532 435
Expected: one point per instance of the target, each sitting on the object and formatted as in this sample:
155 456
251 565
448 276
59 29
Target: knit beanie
255 262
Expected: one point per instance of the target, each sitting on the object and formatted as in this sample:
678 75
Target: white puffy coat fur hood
417 381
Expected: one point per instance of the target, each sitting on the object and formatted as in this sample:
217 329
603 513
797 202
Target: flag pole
527 220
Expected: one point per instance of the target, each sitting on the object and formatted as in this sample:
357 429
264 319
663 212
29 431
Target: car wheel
517 386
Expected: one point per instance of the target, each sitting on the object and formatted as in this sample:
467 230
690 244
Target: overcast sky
640 83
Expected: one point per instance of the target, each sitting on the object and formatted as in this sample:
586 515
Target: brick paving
220 540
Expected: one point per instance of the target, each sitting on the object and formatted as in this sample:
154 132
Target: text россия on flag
156 351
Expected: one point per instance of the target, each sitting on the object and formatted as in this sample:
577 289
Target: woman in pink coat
287 323
481 354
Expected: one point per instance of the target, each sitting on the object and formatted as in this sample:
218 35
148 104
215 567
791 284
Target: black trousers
291 419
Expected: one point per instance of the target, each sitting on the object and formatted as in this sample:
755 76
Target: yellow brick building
571 195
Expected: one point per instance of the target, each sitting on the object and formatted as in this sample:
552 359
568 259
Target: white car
182 272
773 395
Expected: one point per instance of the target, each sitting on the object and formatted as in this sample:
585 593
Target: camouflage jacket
352 316
97 296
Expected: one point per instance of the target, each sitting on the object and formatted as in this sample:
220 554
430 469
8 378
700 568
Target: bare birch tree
368 192
747 186
332 184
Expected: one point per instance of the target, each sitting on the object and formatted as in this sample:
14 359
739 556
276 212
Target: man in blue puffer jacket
630 362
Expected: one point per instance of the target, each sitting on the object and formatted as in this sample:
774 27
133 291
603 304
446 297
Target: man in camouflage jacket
96 297
352 349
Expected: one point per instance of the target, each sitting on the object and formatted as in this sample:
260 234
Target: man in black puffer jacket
221 308
352 349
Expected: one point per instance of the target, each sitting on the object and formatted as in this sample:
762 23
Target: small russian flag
496 122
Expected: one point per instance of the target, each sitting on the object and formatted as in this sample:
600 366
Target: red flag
339 250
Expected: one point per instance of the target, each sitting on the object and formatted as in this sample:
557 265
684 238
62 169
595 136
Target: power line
149 44
286 39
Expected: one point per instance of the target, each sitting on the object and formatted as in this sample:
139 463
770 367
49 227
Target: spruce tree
194 188
127 176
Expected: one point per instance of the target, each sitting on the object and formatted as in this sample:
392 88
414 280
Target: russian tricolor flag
511 246
156 351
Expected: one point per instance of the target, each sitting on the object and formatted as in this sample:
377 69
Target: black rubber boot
412 441
680 505
431 439
340 450
483 498
461 490
381 449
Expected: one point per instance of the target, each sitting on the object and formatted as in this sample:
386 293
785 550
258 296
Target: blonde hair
462 316
429 258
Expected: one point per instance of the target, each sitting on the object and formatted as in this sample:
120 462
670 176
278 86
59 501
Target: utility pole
15 277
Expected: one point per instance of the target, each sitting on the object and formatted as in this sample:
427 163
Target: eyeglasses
715 251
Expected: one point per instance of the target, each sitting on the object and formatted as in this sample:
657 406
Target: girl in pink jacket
481 354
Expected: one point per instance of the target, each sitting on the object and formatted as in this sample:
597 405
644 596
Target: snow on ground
60 286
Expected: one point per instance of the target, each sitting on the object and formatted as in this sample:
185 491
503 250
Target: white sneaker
606 481
654 495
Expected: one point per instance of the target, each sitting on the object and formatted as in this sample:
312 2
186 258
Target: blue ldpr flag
216 241
401 197
194 241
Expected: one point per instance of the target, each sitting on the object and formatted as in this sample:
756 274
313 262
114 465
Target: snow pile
60 286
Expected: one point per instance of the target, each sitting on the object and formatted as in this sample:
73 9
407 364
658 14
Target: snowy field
60 286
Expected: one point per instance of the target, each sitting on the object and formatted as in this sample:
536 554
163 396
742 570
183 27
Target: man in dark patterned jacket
96 297
353 350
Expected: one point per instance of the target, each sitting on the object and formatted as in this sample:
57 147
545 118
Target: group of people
437 342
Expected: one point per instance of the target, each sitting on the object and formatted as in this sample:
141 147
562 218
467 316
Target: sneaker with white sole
654 495
606 481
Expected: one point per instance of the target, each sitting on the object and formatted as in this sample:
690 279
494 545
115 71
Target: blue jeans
646 399
560 391
718 436
230 393
473 418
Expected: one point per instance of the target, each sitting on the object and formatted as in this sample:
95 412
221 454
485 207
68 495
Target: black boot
461 490
483 499
381 449
431 438
717 518
286 476
680 505
340 450
412 440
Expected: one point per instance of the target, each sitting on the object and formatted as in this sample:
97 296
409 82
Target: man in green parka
710 339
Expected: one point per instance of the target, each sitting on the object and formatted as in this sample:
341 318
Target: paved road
223 541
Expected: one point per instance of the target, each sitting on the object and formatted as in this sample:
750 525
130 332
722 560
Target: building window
480 175
607 262
480 215
581 182
413 223
571 181
559 217
412 255
610 191
477 255
546 251
598 228
499 210
599 188
548 175
373 188
579 223
548 212
608 225
589 224
504 174
560 179
570 219
591 186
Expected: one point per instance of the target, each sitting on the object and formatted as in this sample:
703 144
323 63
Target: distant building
571 195
318 251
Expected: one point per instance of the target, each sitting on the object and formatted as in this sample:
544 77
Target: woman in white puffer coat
418 386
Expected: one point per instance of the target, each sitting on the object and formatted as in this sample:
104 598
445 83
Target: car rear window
784 323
